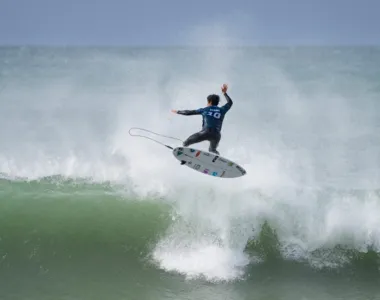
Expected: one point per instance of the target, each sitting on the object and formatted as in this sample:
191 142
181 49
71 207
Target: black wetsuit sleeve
229 100
229 103
189 112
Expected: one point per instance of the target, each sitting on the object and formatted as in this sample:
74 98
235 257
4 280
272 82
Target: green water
87 241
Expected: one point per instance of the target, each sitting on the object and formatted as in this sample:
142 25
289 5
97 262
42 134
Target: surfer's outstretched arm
229 100
188 112
229 103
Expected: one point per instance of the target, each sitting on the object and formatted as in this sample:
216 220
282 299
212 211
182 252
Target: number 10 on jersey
215 114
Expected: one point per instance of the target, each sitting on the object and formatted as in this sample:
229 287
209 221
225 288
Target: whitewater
76 186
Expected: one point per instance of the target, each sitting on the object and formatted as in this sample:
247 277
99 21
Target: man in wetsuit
212 121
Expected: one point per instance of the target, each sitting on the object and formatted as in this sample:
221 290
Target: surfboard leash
149 138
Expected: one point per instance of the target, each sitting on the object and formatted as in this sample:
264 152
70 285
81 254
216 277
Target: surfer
213 117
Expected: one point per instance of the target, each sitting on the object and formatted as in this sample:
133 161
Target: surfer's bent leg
214 142
196 138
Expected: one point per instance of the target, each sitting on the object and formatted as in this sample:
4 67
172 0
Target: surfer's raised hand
174 111
224 88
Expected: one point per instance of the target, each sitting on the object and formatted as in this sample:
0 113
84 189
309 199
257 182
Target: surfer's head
213 99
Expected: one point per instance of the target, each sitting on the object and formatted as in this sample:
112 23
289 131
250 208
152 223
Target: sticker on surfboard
208 163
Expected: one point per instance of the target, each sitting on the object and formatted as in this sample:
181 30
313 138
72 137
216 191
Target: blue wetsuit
212 122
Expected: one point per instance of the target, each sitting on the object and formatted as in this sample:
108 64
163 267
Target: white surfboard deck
208 163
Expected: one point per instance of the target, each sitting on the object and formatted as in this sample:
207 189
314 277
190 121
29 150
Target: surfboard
208 163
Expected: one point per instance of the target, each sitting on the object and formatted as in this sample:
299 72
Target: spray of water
293 143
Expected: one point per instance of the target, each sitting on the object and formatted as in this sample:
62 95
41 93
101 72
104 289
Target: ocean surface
89 212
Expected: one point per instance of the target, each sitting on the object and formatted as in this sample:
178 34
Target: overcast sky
191 22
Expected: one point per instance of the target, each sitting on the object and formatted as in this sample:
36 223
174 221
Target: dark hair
213 99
